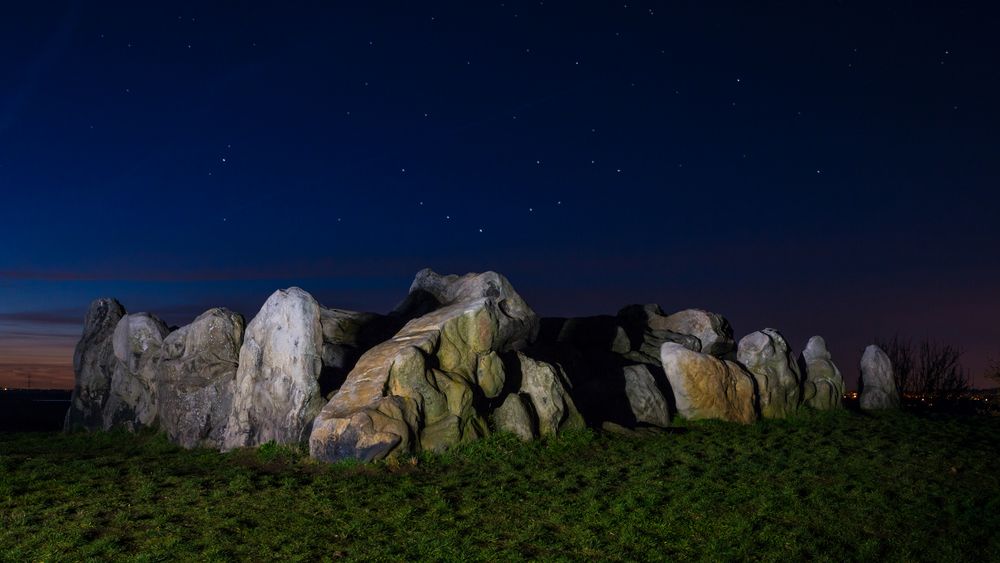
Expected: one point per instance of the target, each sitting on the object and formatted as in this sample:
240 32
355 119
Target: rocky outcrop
647 402
196 378
708 387
460 357
277 393
823 388
93 364
878 385
132 398
767 356
415 391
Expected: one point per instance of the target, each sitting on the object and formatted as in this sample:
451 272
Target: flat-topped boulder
878 384
823 388
196 378
93 364
277 393
415 391
708 387
768 357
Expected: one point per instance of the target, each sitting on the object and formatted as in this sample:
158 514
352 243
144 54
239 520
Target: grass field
827 486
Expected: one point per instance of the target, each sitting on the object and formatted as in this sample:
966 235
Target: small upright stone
823 388
878 385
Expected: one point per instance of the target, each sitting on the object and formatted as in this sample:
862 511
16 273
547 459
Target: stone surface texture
415 391
823 388
878 385
93 364
197 377
708 387
132 398
277 393
767 356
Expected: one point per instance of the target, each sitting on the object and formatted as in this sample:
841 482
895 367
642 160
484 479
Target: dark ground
30 410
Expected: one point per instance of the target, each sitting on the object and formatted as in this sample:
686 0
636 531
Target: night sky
824 169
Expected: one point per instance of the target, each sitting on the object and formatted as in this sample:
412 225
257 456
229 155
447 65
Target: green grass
828 486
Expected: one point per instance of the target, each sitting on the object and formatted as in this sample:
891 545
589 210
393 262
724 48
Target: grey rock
823 388
644 325
277 393
132 398
514 416
93 364
197 376
544 385
878 384
712 330
767 356
647 402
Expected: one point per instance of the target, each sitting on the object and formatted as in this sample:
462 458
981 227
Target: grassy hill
827 486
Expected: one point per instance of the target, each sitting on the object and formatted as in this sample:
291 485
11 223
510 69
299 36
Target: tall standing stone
277 393
878 385
197 377
768 357
93 364
132 399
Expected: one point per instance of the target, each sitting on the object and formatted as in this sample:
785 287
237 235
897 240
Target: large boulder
712 330
878 385
708 387
132 399
197 376
644 396
93 364
415 391
823 388
277 393
767 356
645 327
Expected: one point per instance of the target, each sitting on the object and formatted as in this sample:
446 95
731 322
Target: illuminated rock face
415 391
707 387
460 357
131 400
277 392
878 385
823 388
767 356
196 377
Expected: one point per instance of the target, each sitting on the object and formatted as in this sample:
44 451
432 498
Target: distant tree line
926 367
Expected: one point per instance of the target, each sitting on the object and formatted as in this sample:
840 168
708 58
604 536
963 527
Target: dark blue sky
829 168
